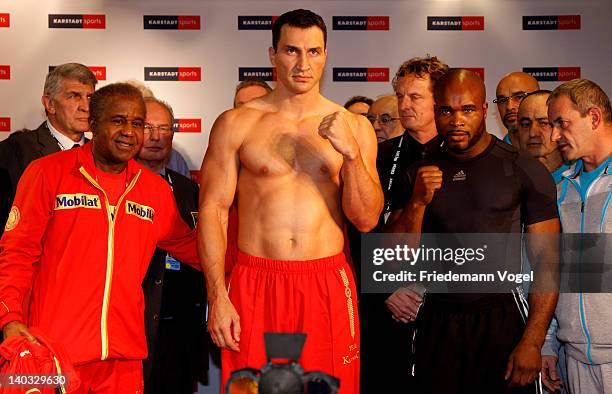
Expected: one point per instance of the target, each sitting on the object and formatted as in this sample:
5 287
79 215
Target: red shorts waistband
292 266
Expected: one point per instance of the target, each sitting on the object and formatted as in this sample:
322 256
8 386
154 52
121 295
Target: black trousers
176 366
463 347
385 348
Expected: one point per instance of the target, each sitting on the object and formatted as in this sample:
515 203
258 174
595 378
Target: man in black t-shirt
477 342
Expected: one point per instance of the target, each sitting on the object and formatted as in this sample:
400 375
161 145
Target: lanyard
392 173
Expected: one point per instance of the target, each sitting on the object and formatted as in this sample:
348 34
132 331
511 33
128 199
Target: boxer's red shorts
316 297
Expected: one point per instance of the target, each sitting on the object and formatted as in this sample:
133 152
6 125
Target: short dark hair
421 66
358 99
300 18
539 92
100 98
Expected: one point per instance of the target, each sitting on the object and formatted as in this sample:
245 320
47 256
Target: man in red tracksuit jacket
81 232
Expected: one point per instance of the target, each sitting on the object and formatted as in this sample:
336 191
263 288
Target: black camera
281 374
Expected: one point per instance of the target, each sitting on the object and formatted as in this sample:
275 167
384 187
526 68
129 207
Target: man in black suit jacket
68 88
175 295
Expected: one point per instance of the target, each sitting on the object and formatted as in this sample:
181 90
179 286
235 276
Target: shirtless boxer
299 164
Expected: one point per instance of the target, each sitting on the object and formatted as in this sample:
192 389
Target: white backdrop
124 47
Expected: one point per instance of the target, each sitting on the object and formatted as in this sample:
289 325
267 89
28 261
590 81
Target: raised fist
337 129
428 181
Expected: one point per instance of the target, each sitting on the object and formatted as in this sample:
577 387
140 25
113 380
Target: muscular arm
218 181
543 251
362 196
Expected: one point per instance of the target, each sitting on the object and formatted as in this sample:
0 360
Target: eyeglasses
163 129
384 118
516 97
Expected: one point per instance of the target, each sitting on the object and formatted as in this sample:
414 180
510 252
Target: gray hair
144 89
75 71
585 95
165 105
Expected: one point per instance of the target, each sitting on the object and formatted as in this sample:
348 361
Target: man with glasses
83 227
174 292
385 119
512 88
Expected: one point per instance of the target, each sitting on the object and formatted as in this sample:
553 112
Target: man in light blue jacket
581 115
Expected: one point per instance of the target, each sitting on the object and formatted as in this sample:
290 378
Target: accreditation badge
172 264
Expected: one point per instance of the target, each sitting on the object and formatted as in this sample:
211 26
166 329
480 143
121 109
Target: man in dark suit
68 88
175 299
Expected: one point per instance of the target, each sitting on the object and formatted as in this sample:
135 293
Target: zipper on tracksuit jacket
581 305
110 255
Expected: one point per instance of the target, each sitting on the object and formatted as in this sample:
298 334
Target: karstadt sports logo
548 74
173 74
5 124
77 21
187 125
98 71
256 22
455 23
551 22
360 22
265 73
5 20
5 72
360 74
172 22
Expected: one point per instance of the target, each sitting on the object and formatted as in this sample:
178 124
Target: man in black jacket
175 299
68 88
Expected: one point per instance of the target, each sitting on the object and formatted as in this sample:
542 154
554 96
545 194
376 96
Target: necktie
75 146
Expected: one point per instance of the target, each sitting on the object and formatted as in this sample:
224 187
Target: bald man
478 184
512 88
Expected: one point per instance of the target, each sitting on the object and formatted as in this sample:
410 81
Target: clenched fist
337 129
428 181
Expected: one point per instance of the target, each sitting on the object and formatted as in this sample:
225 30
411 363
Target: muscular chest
475 197
278 147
